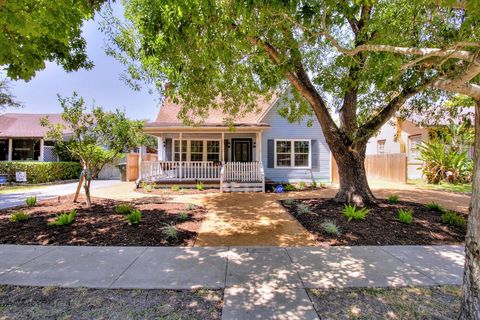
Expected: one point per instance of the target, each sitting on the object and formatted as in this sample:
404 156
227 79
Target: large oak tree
363 59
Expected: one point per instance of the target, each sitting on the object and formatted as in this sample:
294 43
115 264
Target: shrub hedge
41 172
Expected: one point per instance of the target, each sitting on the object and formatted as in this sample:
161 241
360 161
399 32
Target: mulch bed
167 191
380 227
101 225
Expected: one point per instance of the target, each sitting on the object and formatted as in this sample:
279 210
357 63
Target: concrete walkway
259 282
18 198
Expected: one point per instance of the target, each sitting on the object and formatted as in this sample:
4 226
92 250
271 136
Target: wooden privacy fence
389 167
132 164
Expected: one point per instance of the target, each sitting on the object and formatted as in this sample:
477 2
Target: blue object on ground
279 189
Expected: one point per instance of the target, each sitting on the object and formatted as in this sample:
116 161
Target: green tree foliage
34 32
363 59
96 138
7 99
445 156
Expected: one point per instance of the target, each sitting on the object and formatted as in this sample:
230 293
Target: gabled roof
26 125
168 116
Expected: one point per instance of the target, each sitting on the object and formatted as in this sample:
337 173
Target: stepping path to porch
258 282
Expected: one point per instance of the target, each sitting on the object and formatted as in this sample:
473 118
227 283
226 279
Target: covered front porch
207 155
26 149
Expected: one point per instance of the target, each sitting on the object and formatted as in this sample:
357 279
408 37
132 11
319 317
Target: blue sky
101 84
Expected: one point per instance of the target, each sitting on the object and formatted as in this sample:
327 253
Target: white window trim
292 154
204 152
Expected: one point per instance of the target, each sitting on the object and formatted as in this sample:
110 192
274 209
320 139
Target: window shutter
270 153
168 150
225 150
315 155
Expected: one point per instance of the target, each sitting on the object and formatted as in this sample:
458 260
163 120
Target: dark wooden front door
242 150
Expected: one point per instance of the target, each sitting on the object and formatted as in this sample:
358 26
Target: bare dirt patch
81 303
380 227
168 191
101 225
375 303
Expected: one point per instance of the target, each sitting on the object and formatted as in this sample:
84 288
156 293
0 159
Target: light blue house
262 147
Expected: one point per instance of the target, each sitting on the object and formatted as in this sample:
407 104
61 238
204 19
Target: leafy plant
405 216
134 217
170 231
453 219
393 198
31 201
302 185
200 186
183 216
302 208
313 184
19 216
331 227
147 187
289 202
435 207
64 219
175 188
289 187
123 209
352 213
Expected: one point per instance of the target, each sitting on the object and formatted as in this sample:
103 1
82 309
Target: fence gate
388 167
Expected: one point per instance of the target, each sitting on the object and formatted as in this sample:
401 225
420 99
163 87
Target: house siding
282 129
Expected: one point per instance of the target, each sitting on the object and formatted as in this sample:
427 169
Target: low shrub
170 231
41 172
200 186
183 216
147 187
352 213
301 208
19 216
289 187
123 209
134 217
405 216
191 206
302 185
64 219
175 188
31 201
435 207
289 202
453 219
313 185
393 198
331 227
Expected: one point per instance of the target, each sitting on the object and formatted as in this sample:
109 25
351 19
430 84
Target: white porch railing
242 172
180 170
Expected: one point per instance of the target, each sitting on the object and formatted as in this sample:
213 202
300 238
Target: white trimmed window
413 142
293 153
197 150
381 146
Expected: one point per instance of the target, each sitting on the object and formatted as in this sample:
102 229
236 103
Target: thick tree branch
468 89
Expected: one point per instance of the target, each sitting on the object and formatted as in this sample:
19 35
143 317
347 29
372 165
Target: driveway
18 198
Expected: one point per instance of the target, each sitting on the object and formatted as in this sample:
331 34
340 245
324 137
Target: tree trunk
86 186
471 276
353 178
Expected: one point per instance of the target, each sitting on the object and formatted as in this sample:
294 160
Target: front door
242 150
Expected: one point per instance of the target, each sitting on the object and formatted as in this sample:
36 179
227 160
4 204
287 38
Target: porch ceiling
160 130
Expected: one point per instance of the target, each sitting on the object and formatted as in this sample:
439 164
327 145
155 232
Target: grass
443 186
14 189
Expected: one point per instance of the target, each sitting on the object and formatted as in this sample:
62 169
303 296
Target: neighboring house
403 136
262 146
22 138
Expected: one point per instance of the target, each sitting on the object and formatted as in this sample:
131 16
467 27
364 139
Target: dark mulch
380 227
62 303
101 225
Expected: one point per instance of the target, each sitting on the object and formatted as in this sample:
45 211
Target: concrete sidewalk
259 282
48 192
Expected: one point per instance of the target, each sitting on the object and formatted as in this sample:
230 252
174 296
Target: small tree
97 138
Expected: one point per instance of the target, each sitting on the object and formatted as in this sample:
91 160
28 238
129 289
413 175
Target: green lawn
13 189
443 186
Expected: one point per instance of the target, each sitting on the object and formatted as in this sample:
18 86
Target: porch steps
242 187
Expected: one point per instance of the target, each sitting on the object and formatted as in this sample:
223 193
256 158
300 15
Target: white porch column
10 149
258 149
42 155
160 149
222 147
181 152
